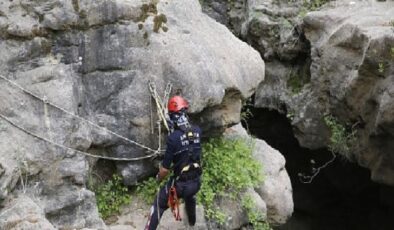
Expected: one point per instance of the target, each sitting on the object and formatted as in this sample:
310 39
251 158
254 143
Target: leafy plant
148 189
158 22
381 67
228 168
246 111
256 218
341 140
297 81
111 196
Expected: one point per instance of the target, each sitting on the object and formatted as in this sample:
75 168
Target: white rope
309 179
76 116
159 104
45 101
157 152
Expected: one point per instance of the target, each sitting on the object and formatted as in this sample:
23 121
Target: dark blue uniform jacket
178 148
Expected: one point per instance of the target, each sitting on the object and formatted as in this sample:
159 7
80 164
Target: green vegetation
256 218
341 140
111 195
228 169
314 4
158 21
246 112
381 67
146 10
148 189
296 82
150 9
311 5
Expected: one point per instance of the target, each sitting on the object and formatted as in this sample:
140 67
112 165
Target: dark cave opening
341 197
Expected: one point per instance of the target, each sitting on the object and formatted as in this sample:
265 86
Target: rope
173 202
308 179
44 100
75 150
159 103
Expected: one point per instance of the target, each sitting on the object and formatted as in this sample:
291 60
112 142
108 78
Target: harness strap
187 167
173 202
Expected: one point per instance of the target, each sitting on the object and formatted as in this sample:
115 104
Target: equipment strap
173 202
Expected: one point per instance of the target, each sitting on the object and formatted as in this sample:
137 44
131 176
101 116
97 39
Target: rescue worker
183 155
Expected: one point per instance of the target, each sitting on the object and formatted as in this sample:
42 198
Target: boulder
276 190
23 213
234 211
136 215
71 206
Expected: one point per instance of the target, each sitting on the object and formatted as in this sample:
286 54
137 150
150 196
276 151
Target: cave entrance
341 196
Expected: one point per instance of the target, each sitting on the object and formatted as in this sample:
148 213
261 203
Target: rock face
135 217
360 71
271 27
335 61
351 76
276 190
94 59
24 213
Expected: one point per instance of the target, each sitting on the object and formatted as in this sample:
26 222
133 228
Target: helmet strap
180 120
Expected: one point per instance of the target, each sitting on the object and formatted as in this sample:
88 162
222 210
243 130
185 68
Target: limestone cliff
90 62
325 59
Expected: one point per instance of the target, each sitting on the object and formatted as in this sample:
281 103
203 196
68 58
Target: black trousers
186 190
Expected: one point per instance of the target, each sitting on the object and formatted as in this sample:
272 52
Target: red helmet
176 104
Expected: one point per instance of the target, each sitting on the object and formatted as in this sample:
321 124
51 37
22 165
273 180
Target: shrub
341 140
256 218
111 195
148 189
297 81
228 169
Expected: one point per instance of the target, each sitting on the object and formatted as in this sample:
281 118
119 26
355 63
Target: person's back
183 147
183 155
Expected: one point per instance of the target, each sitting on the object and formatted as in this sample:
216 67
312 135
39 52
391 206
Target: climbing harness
190 165
173 202
46 102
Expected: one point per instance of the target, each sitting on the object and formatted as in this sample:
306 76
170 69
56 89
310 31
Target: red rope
173 203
